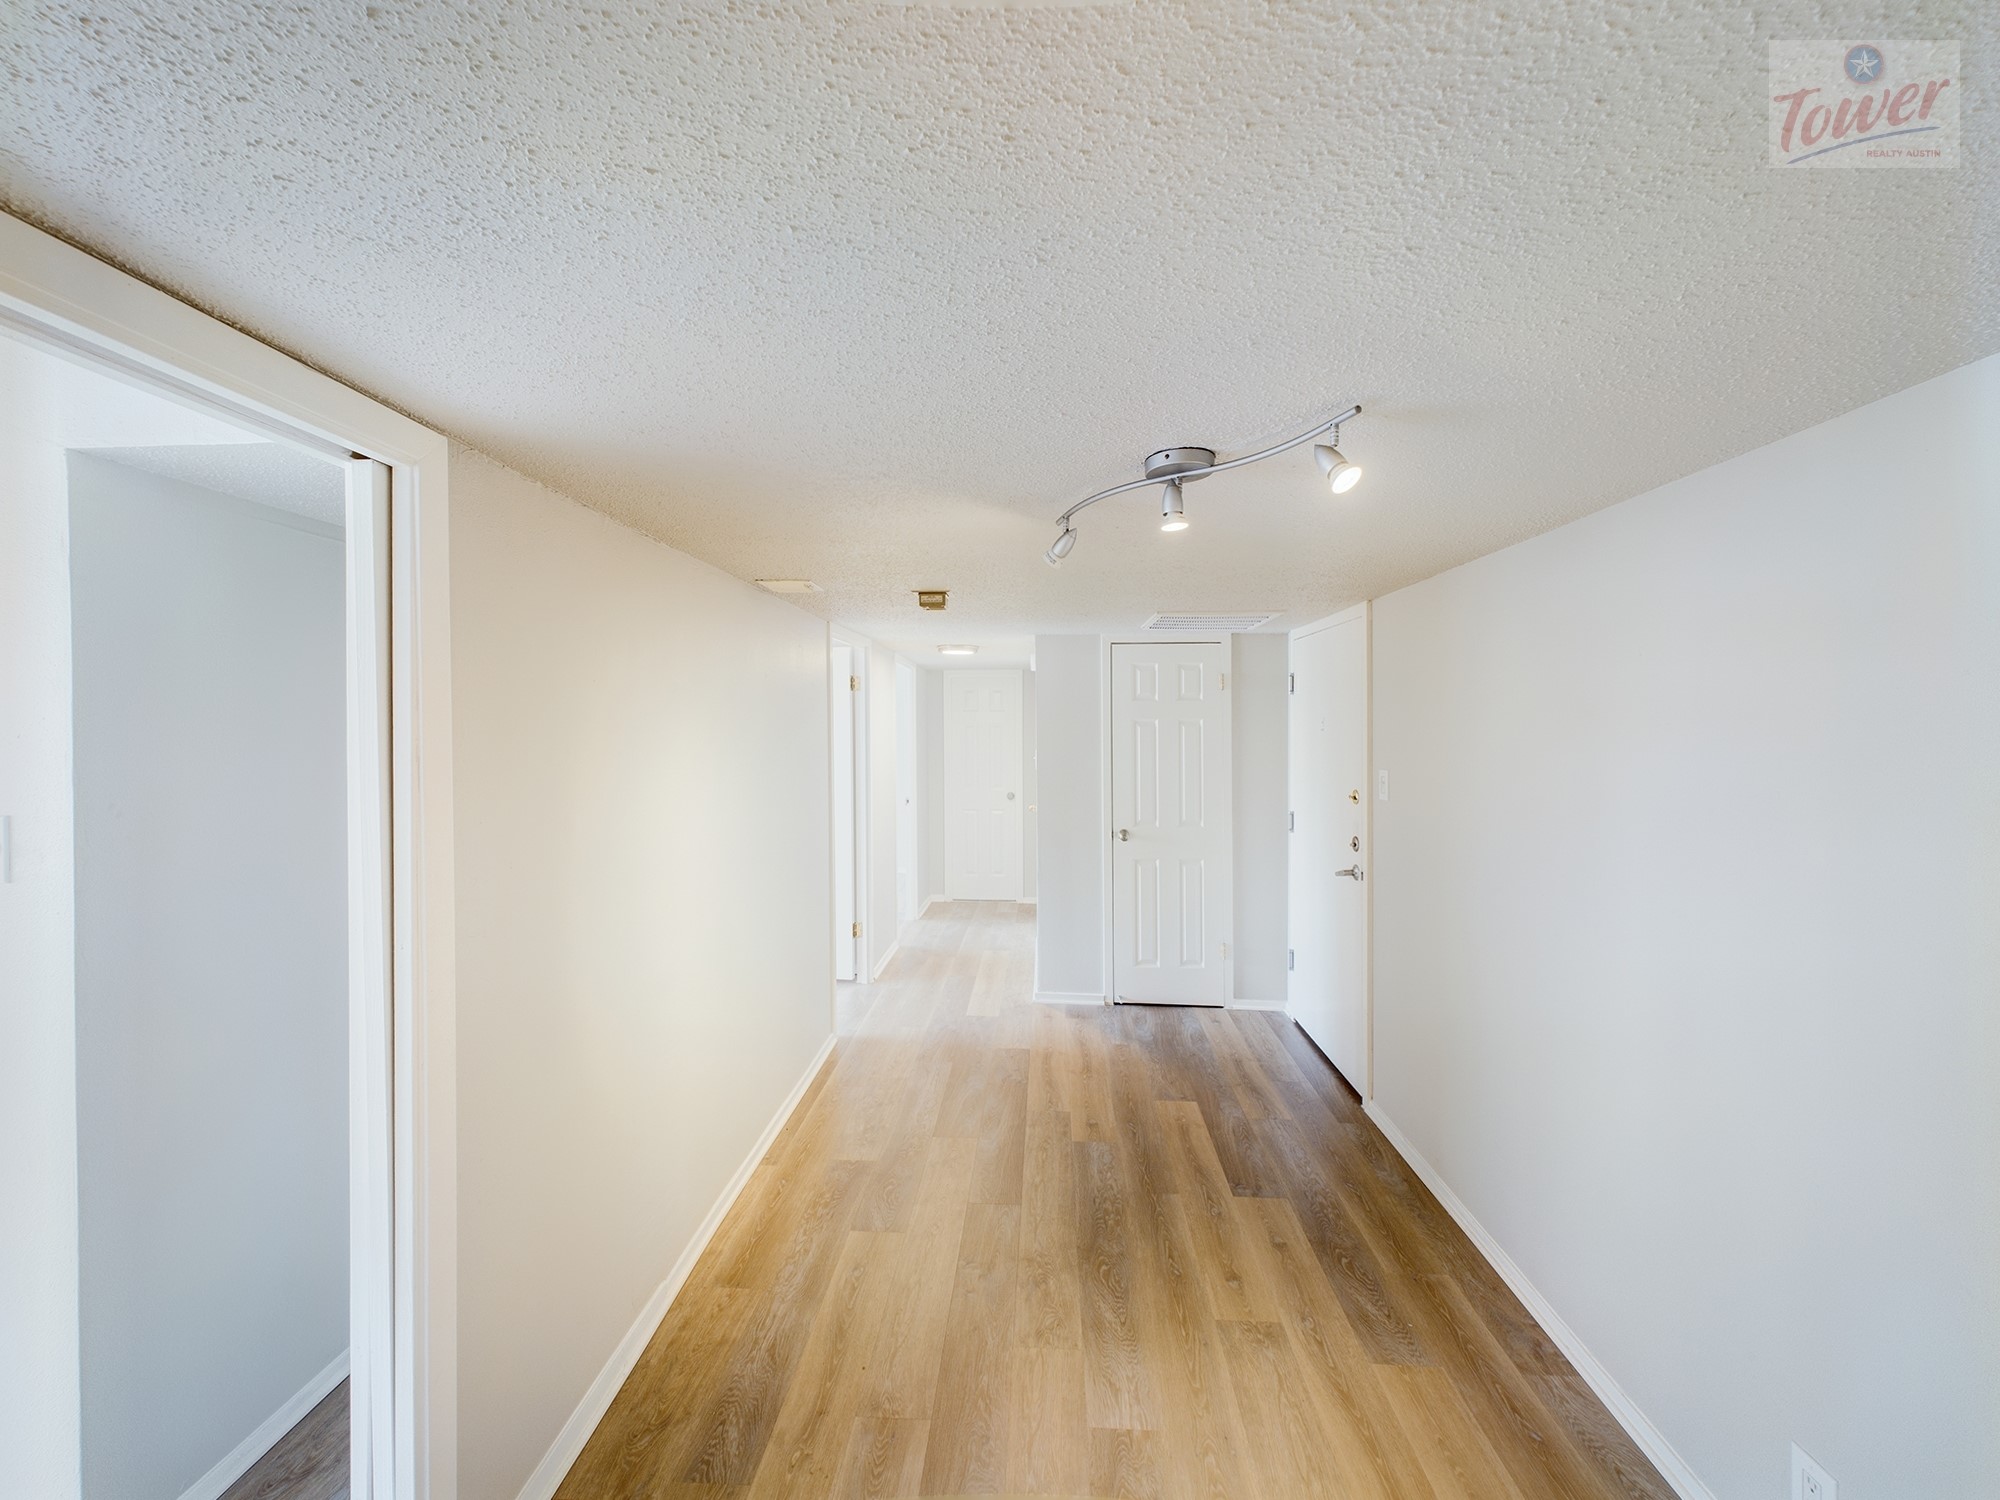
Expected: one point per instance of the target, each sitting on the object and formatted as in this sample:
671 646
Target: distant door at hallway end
982 785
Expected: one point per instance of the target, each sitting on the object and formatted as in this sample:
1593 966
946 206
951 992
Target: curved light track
1067 540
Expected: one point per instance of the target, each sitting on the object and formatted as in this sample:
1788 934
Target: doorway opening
224 1061
186 578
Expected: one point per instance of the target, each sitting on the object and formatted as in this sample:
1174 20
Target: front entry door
1328 994
1170 824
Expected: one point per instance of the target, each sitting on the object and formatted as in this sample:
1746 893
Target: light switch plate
1809 1480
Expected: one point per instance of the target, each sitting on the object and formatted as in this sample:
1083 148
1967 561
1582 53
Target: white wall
1259 664
1072 828
1069 758
644 971
211 973
1686 957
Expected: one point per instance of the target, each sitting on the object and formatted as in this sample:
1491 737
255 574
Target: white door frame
864 862
403 1207
1366 615
1164 638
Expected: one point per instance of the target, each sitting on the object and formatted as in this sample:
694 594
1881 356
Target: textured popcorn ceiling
272 474
867 293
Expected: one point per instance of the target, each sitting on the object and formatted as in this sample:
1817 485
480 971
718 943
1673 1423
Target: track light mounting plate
1168 462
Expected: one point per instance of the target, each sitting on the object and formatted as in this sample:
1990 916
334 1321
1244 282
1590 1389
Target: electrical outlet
1809 1480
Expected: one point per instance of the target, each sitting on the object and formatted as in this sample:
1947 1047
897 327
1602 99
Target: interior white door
840 693
1170 833
982 785
1328 916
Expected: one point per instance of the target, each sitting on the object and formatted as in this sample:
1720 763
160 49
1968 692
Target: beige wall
644 971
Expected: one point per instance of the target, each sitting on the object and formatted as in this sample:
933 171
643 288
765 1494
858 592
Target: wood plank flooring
308 1463
1009 1248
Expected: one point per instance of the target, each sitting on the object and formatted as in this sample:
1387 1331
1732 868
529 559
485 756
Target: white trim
569 1443
233 1465
929 902
1239 1003
60 295
1059 997
1652 1442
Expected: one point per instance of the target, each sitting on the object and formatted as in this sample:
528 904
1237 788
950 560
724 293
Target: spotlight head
1172 518
1341 476
1060 547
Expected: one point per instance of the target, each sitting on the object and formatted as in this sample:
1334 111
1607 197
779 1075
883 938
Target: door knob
1124 834
1352 872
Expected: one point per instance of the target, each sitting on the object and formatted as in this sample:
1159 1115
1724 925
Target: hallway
1011 1248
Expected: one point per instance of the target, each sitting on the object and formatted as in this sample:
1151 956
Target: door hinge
1291 958
1291 682
857 929
1222 682
1291 822
853 683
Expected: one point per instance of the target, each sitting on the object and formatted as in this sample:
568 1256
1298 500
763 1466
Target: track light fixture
1170 468
1341 476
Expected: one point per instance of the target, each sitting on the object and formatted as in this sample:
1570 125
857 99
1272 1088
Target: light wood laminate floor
1010 1248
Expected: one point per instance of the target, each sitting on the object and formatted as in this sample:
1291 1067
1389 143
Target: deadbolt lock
1354 796
1355 843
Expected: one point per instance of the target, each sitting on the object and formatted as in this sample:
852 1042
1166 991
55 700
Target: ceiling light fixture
958 651
1173 467
1341 476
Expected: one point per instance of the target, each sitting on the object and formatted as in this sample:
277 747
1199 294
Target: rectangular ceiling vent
1181 623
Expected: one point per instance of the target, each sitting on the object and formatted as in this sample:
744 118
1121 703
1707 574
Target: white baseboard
930 901
1652 1442
883 963
239 1459
1058 997
568 1445
1241 1004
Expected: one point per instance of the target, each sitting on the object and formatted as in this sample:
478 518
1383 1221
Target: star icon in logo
1863 64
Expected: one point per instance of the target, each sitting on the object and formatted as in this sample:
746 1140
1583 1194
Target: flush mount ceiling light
931 598
1171 468
958 651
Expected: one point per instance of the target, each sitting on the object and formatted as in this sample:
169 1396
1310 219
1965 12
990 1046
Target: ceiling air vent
1179 623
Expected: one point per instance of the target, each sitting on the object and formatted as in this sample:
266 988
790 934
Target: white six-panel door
982 785
1328 916
1170 824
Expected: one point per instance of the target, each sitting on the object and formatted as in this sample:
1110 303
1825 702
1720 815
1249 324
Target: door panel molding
1169 916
